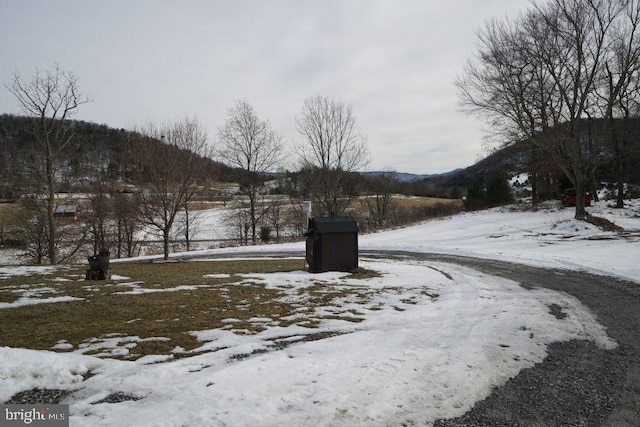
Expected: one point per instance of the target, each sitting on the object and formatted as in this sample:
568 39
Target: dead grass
151 308
105 311
9 212
419 202
603 223
363 273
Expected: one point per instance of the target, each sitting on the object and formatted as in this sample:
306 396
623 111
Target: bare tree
188 225
50 98
332 149
36 232
275 219
581 33
379 204
99 221
126 213
170 164
509 88
619 88
252 146
538 78
70 237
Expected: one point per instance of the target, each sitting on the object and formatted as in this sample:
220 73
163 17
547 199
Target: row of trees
332 148
167 175
564 77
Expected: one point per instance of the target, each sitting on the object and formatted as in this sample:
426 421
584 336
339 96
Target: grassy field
421 202
152 307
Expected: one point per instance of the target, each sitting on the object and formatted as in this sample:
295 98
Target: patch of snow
33 301
140 291
217 276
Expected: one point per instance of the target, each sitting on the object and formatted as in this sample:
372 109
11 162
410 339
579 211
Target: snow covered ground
546 238
431 338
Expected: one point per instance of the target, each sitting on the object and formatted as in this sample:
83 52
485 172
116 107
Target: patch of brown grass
363 273
419 202
603 224
171 314
152 307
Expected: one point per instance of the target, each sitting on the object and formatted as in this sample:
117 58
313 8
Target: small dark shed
332 244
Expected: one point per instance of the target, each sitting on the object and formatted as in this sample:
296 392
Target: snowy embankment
431 338
547 238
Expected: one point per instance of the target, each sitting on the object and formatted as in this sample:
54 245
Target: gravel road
577 384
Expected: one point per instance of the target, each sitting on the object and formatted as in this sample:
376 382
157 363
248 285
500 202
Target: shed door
340 252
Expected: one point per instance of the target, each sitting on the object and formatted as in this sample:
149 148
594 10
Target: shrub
498 189
476 198
497 192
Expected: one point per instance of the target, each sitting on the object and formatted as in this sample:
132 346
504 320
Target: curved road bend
577 384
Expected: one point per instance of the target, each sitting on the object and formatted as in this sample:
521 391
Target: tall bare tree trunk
53 256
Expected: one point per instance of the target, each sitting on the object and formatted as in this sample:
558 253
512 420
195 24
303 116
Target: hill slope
94 148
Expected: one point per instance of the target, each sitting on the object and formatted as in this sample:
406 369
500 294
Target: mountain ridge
408 177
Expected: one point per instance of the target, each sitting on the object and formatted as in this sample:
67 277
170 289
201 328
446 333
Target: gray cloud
393 61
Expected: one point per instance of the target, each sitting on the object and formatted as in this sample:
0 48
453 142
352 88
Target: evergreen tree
476 197
498 189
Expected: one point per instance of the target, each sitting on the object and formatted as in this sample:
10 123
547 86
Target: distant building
66 211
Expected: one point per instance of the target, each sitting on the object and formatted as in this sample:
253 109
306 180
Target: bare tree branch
170 164
547 79
332 148
252 146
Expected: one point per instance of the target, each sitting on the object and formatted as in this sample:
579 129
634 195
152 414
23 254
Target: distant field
419 202
10 216
7 210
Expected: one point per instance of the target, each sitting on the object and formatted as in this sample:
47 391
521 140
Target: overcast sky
393 61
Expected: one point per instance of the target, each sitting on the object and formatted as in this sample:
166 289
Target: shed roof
62 209
333 224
